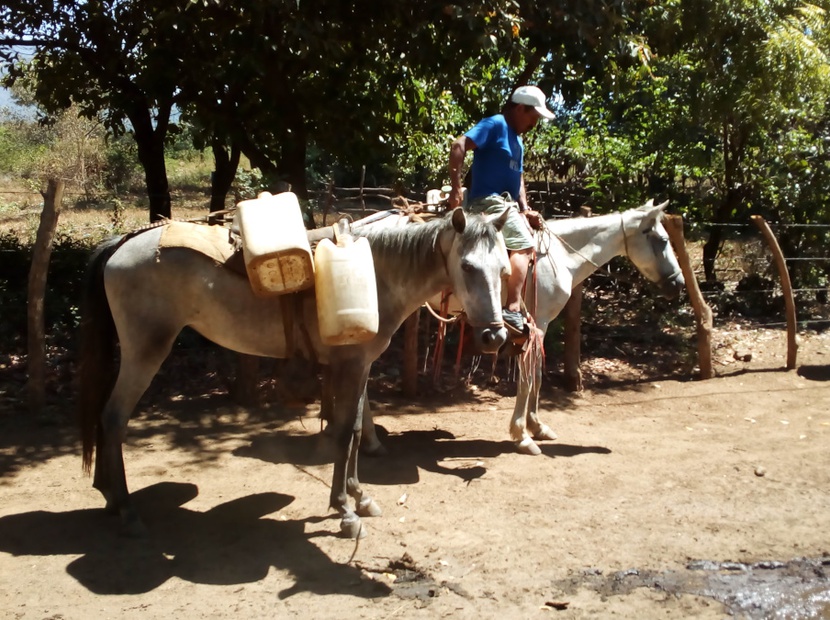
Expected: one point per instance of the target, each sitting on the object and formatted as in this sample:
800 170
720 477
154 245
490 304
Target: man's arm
533 217
458 150
522 199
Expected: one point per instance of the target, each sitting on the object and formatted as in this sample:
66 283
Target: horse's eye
467 267
648 230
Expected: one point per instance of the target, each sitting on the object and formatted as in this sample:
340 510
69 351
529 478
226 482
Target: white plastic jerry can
347 296
275 244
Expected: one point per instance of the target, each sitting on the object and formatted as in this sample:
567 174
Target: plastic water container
275 246
347 297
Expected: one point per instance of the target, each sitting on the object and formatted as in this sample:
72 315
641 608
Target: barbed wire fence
746 291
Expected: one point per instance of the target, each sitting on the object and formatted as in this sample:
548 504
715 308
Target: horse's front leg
538 429
524 443
348 384
369 442
527 400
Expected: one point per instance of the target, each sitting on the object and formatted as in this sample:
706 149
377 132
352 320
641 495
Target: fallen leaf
557 604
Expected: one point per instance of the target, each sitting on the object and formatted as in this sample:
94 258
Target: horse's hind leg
346 376
370 445
110 479
365 506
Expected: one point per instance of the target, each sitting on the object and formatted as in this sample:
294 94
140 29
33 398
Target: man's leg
519 262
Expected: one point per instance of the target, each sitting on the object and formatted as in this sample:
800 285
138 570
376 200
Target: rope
439 317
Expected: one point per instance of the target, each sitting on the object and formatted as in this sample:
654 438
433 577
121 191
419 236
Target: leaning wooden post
36 384
703 313
786 287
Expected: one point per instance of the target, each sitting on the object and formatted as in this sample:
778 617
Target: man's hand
455 197
534 219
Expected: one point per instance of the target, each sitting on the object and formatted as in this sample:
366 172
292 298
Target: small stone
760 471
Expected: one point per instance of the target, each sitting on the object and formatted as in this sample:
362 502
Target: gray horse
142 295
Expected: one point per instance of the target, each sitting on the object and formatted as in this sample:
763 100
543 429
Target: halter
462 316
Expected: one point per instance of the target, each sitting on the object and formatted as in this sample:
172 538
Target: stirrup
512 348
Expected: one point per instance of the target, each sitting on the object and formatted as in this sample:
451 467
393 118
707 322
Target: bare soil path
662 499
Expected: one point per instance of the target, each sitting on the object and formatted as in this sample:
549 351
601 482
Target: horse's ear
653 215
459 220
498 221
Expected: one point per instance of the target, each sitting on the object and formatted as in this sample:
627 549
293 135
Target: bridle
462 316
672 276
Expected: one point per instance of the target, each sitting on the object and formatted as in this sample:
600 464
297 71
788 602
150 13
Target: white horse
570 250
142 293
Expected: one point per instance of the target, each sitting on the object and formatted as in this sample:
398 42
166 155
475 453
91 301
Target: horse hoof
352 527
527 446
368 508
546 433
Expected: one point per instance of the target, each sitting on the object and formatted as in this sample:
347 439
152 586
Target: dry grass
20 211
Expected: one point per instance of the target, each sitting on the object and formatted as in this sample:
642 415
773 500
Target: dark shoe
513 320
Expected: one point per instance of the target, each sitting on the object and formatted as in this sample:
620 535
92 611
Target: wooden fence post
36 362
410 354
703 313
786 288
572 344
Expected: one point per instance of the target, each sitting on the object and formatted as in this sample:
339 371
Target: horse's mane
575 225
416 244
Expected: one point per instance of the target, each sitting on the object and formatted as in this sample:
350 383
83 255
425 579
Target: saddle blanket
212 241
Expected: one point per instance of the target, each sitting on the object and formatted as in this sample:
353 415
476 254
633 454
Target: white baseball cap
534 97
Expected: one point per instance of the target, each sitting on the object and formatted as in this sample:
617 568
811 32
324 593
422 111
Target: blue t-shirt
497 159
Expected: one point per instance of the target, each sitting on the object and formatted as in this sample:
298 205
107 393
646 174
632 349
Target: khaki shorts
516 232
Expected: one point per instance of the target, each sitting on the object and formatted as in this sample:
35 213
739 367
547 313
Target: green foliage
66 274
14 270
247 184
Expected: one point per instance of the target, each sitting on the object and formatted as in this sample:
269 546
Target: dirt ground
663 498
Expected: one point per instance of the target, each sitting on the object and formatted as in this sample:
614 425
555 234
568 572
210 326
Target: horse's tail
96 367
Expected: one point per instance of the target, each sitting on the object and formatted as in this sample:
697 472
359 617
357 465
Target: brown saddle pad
213 241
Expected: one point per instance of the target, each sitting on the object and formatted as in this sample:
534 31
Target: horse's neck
590 242
408 276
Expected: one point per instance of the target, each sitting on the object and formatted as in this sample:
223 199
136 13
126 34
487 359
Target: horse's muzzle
491 339
671 287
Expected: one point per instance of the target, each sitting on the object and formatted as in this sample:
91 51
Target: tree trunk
732 141
38 271
712 246
150 137
292 165
224 174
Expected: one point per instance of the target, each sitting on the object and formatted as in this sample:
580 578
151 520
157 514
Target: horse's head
476 263
647 245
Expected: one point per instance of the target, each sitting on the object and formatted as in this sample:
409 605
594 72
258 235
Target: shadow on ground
229 544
